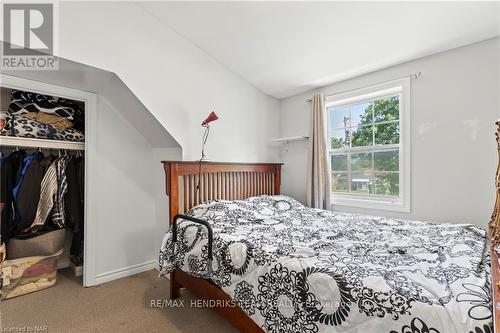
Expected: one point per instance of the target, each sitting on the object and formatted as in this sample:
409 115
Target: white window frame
403 202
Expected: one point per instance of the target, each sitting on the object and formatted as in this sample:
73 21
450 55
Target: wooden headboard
218 180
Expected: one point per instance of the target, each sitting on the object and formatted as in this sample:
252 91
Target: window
369 138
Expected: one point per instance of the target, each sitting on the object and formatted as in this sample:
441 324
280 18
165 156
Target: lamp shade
211 117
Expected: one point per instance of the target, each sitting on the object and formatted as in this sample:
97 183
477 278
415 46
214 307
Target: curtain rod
414 76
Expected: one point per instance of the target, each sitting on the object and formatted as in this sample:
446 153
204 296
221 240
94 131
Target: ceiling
284 48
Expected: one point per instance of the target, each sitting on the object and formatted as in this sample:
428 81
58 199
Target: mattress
296 269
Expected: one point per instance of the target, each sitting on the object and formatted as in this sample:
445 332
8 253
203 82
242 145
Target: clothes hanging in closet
74 196
48 188
15 191
53 188
29 190
41 193
9 171
74 204
58 212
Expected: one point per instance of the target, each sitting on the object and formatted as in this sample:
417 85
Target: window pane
361 162
361 183
386 160
386 109
361 114
387 133
362 136
339 117
339 139
387 184
339 162
340 182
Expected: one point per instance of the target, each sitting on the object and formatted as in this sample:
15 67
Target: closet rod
40 143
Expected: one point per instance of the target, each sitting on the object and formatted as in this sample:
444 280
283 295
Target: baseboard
124 272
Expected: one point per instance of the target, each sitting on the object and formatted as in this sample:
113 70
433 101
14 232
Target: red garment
46 266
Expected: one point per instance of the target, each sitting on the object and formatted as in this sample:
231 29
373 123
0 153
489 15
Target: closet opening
43 182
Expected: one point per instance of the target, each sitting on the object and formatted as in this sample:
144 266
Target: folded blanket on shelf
56 121
20 126
23 102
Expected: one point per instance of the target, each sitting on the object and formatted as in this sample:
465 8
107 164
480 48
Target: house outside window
369 144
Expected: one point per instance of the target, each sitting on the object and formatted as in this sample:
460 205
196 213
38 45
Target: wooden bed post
172 182
494 233
172 189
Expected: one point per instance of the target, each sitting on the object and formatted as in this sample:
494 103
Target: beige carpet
123 305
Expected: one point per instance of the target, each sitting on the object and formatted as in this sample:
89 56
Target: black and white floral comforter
296 269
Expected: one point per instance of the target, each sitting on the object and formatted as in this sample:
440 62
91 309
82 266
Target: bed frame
494 231
234 181
189 183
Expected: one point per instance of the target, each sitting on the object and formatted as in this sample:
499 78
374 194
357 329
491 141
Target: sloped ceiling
284 48
108 85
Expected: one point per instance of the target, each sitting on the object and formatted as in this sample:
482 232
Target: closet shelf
290 139
40 143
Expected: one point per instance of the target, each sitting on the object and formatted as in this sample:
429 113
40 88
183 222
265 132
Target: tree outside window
364 139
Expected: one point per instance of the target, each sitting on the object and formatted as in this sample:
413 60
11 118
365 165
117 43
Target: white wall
157 178
454 106
125 207
128 195
179 83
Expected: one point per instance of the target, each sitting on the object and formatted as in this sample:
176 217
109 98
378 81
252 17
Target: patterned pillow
24 127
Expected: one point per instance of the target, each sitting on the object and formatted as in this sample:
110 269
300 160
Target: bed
274 265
